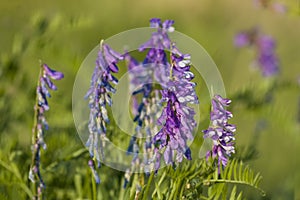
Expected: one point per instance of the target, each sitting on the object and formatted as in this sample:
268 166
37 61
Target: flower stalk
44 84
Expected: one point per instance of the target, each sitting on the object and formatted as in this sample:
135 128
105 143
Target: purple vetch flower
48 72
145 114
156 58
274 6
266 59
154 68
178 124
220 131
241 40
169 136
42 93
177 118
99 98
160 39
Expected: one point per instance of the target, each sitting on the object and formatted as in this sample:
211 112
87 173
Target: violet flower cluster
155 68
220 131
177 119
274 6
163 114
99 98
264 45
40 123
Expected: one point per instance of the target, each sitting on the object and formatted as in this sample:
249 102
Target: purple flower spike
269 64
177 117
38 142
221 133
266 59
99 98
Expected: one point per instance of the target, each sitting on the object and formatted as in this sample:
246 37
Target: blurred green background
62 33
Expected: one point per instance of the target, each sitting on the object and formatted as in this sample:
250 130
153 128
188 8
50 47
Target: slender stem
182 188
36 145
159 182
145 195
206 182
172 64
94 188
194 175
174 188
178 186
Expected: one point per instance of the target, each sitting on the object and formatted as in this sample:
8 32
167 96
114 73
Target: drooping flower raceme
40 123
220 131
265 46
99 98
143 75
177 119
174 77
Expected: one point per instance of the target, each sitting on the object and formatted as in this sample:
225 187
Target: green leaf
242 175
235 170
240 196
240 170
158 191
233 192
216 174
228 170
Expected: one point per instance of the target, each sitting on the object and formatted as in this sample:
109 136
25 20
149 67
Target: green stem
36 150
182 189
173 186
178 186
172 64
206 182
145 195
160 182
94 188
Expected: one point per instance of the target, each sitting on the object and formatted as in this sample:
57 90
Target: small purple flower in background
220 131
264 45
267 57
242 40
99 98
279 7
40 124
274 6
